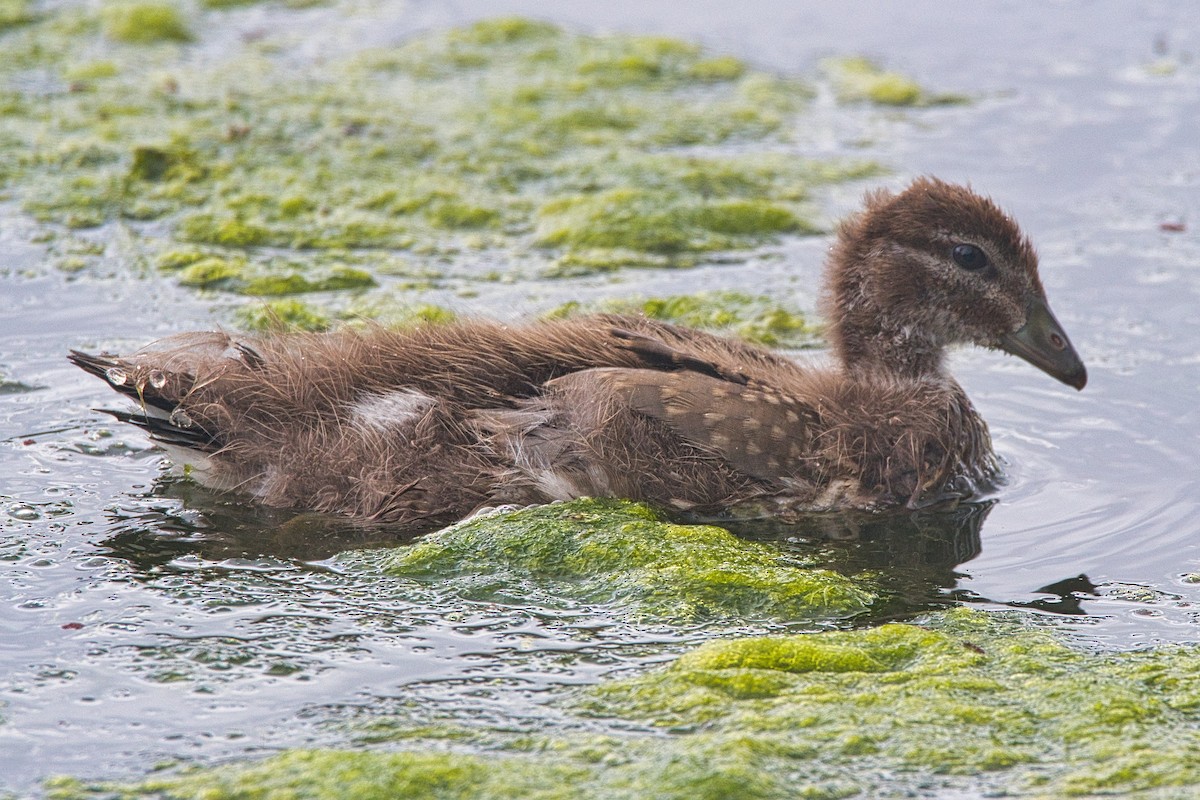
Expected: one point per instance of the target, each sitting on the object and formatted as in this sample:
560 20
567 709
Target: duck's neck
869 340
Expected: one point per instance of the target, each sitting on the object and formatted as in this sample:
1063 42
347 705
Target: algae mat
507 150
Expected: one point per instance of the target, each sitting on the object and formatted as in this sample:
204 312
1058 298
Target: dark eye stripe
968 256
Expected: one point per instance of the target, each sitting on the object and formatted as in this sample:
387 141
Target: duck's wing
677 438
756 429
654 353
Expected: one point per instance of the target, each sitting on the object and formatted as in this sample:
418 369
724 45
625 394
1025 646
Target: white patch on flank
385 412
554 485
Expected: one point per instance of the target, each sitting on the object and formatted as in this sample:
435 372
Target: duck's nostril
1058 342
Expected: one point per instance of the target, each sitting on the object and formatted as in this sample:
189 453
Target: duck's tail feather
119 376
167 432
158 413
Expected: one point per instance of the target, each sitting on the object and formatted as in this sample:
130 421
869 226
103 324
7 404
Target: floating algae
624 556
563 152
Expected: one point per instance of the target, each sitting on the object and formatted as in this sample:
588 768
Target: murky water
144 620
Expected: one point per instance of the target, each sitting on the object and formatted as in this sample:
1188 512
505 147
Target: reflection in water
933 539
219 525
912 554
1069 595
223 525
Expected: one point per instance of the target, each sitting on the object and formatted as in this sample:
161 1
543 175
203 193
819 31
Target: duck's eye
968 256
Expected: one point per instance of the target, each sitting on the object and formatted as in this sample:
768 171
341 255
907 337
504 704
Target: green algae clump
14 13
656 222
336 775
576 153
213 273
144 22
986 697
283 315
425 314
887 648
338 279
622 554
454 134
720 68
860 79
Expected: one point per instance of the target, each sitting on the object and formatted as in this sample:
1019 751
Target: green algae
720 68
259 278
425 314
90 71
859 79
656 222
667 210
365 776
337 279
508 135
223 4
753 318
965 703
283 315
15 387
623 555
212 272
144 22
968 694
15 12
395 313
1162 67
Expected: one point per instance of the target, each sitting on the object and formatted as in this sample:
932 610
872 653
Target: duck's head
937 265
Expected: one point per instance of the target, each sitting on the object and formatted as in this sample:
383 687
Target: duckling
424 426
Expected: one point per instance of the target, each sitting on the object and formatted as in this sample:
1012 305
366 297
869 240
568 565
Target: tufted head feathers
937 265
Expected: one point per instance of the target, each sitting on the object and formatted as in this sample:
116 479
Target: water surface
143 620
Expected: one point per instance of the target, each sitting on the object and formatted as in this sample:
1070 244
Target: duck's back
379 423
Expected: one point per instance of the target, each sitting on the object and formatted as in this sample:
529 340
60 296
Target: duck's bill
1042 342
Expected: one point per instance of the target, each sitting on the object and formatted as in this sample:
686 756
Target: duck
425 426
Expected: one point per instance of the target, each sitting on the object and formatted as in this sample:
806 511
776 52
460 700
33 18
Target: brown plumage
423 426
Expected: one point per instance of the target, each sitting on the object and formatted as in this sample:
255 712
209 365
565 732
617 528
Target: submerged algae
291 314
667 209
860 79
365 776
623 555
144 22
264 278
283 315
968 702
656 222
15 12
753 318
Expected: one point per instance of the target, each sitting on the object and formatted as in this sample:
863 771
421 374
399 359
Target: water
144 620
